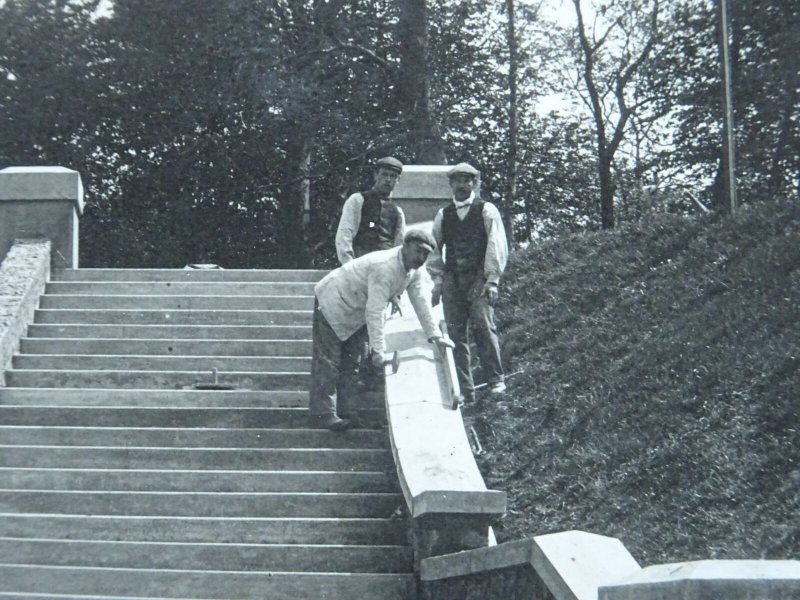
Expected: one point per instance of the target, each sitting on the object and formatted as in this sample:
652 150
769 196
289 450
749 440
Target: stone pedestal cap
42 183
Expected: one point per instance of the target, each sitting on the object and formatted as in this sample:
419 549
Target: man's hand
491 292
376 358
442 342
436 294
396 306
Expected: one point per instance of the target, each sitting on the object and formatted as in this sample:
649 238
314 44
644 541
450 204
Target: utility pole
728 131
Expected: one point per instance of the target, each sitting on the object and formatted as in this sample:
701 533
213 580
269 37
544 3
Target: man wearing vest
370 221
470 256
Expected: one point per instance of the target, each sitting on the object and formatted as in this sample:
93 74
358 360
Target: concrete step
226 275
200 288
176 302
162 480
173 332
223 556
125 416
110 346
203 504
133 398
182 437
175 380
132 584
118 457
96 316
203 529
121 362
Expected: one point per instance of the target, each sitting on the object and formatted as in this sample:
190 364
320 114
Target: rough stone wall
23 274
512 583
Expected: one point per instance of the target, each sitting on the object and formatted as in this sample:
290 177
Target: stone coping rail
447 500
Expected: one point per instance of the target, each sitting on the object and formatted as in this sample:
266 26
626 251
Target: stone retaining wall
23 275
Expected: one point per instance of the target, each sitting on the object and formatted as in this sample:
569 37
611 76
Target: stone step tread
208 504
130 584
165 347
182 288
148 362
173 317
172 332
176 302
227 275
197 555
198 529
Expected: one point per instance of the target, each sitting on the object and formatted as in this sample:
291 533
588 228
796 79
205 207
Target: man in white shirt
470 256
353 298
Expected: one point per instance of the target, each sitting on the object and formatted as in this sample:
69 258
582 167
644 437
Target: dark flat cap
463 169
390 162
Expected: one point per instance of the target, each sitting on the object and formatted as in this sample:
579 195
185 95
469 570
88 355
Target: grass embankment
660 395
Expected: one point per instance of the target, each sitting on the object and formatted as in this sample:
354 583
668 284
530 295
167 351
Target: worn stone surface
519 582
705 579
42 202
23 274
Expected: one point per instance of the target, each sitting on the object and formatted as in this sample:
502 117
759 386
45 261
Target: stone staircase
120 479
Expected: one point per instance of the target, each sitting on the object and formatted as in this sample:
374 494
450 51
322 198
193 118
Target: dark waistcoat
464 241
379 221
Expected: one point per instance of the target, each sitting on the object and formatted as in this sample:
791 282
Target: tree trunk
414 83
607 189
296 202
513 67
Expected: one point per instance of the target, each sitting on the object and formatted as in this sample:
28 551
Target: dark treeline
231 131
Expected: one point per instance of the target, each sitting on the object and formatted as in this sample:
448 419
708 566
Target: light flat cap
390 162
421 237
463 169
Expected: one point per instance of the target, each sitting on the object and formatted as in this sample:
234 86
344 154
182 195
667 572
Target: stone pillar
42 202
422 190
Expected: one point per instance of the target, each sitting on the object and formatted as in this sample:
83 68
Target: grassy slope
660 395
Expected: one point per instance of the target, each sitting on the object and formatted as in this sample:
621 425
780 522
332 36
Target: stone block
42 202
706 579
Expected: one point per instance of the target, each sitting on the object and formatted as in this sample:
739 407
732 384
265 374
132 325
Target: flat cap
390 162
421 237
463 169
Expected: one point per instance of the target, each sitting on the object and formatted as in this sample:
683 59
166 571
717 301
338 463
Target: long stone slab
173 332
166 347
183 437
174 317
160 399
196 555
706 579
177 302
121 362
191 275
155 379
203 288
206 504
223 585
114 457
200 529
174 480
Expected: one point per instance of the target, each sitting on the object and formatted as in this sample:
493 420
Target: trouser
334 368
467 311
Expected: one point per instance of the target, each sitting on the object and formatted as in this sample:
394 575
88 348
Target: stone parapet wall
512 583
23 275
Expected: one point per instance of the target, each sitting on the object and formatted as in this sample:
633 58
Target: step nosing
78 541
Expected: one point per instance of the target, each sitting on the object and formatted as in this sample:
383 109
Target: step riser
205 364
337 559
177 529
197 481
203 504
175 302
172 332
178 399
172 275
174 317
147 288
195 458
166 347
222 585
191 438
154 379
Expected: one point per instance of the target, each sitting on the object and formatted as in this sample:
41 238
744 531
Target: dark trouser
334 368
467 310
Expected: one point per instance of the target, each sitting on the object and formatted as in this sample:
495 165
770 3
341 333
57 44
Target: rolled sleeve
421 303
400 232
435 263
348 228
496 246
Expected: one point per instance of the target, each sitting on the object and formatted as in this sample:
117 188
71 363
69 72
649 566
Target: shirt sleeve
379 291
348 228
400 232
421 303
494 262
435 262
